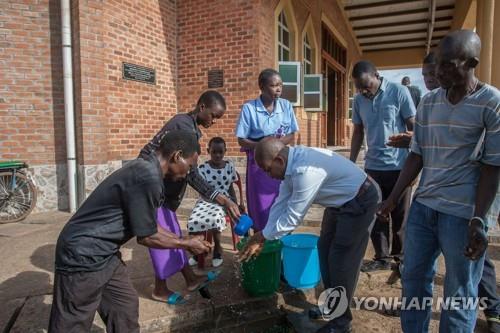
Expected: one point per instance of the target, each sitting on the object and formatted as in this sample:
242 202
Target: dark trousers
380 235
342 244
488 287
77 296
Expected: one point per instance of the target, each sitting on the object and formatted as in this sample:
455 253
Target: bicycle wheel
17 203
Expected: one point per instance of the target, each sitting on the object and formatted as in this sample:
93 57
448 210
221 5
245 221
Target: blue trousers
428 234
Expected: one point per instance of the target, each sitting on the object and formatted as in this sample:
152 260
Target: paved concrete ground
26 278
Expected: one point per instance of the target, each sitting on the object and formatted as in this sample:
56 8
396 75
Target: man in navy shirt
90 275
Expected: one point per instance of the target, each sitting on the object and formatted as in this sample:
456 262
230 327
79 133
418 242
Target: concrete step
253 315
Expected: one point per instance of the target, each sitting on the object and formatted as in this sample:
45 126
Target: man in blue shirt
321 176
381 110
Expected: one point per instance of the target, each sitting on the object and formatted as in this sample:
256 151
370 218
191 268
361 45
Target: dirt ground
375 285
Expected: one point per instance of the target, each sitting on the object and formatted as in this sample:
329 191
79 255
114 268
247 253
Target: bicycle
17 192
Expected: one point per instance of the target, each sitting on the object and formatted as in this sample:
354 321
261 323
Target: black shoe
396 273
376 265
328 328
314 313
493 323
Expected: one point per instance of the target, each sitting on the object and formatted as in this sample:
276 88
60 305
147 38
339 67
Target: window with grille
333 47
308 56
352 91
283 38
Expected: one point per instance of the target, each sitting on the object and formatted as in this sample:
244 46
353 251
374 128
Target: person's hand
477 240
197 245
401 140
243 209
232 209
385 208
252 248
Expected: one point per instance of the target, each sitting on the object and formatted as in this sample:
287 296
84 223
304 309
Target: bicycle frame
13 167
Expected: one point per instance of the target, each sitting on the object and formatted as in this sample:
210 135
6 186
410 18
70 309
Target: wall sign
138 73
215 78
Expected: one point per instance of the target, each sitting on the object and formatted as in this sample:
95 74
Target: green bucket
261 276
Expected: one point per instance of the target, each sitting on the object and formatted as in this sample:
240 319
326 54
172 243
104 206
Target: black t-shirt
181 121
121 207
174 191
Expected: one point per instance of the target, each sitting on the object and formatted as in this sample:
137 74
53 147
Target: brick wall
117 116
31 91
181 40
143 33
218 35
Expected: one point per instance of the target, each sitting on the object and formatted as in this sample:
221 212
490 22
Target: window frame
320 92
298 84
306 61
283 26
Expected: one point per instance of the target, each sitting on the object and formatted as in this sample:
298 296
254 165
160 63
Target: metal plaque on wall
215 78
138 73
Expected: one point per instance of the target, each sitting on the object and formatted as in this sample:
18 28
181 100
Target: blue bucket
301 261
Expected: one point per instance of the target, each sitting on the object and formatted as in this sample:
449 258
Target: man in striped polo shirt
458 194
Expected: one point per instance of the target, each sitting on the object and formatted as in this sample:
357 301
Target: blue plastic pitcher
301 261
244 224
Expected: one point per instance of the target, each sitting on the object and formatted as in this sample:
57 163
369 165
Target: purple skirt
169 261
262 190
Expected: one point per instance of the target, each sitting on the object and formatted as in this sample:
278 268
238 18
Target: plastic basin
261 276
301 261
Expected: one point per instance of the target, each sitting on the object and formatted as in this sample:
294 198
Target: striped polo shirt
445 136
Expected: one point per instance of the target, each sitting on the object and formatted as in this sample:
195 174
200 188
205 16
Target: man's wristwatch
477 218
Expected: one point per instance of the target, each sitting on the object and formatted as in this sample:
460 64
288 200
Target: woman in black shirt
210 107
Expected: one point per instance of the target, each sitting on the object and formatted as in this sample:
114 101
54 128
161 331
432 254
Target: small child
207 215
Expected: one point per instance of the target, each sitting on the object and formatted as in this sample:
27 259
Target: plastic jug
244 224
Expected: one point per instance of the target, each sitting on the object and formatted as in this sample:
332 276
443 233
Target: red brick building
182 41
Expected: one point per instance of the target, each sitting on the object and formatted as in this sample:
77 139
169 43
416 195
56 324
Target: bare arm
288 139
232 194
250 144
162 240
411 169
410 124
403 140
167 233
486 190
357 141
487 186
247 143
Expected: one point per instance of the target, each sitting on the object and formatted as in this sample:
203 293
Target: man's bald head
457 56
460 44
270 157
267 150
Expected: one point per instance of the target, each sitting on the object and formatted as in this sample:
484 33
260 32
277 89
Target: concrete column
495 66
484 28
